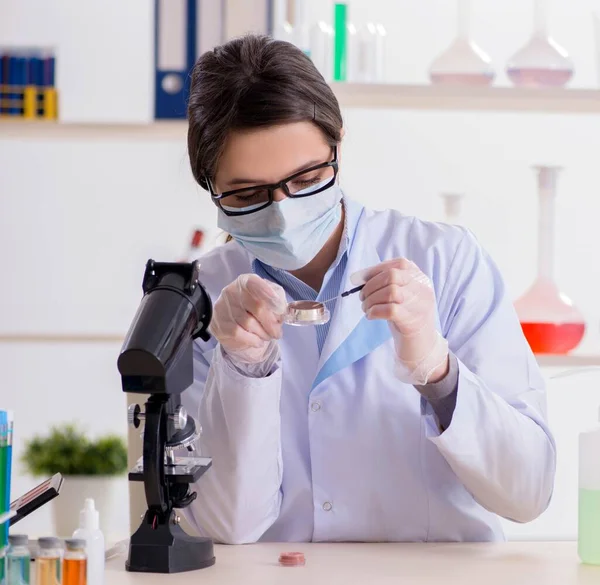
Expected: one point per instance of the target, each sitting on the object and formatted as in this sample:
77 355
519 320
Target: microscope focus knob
135 415
180 418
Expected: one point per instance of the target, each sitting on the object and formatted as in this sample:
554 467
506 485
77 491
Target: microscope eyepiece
156 357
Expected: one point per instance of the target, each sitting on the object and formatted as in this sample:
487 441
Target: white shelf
48 130
501 99
350 95
61 338
569 361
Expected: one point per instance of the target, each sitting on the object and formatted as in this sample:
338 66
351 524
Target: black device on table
156 360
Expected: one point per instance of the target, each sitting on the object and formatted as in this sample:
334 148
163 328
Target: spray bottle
89 530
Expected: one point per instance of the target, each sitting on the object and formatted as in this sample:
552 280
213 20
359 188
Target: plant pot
111 496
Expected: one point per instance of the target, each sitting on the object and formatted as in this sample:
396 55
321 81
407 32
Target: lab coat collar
351 335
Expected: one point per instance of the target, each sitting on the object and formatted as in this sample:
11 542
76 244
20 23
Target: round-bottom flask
550 321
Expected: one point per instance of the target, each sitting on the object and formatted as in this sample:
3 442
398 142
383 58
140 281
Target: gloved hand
400 293
247 321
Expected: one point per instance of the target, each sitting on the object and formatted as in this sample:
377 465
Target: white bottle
588 537
89 530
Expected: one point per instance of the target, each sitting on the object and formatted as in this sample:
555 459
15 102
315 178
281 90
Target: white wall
78 219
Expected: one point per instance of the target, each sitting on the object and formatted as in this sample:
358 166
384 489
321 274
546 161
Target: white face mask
289 233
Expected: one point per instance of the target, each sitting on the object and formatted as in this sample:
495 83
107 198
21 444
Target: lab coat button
327 506
315 406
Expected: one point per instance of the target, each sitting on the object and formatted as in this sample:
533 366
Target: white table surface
514 563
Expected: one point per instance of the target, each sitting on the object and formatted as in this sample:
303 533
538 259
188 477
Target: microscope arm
154 455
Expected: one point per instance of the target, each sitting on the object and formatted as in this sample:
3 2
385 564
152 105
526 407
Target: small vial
49 562
74 562
18 560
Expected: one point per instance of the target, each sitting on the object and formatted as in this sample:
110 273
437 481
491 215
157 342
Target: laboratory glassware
301 27
313 312
542 62
282 27
588 504
550 321
49 562
463 62
366 53
452 207
18 568
306 313
74 562
321 48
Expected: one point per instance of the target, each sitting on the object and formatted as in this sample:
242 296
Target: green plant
67 450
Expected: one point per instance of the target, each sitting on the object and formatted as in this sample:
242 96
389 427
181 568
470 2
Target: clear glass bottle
550 321
18 560
282 27
74 562
463 62
352 52
48 563
321 48
542 62
366 53
380 51
302 26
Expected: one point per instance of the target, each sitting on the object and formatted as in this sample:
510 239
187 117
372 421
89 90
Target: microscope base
167 549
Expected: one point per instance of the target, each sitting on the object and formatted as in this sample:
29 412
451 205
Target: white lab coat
335 448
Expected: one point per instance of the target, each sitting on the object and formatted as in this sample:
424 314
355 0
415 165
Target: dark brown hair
252 82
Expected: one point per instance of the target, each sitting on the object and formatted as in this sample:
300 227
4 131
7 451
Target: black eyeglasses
302 184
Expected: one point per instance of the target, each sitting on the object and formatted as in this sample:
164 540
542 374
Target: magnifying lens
300 313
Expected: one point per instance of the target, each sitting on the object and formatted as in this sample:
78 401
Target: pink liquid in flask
552 338
463 63
538 77
542 62
462 79
550 322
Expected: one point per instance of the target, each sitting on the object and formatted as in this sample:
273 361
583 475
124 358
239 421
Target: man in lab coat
417 412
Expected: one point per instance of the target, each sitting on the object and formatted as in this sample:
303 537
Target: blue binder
36 74
4 80
14 76
48 71
175 54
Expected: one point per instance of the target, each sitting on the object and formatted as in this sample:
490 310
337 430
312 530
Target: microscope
156 360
